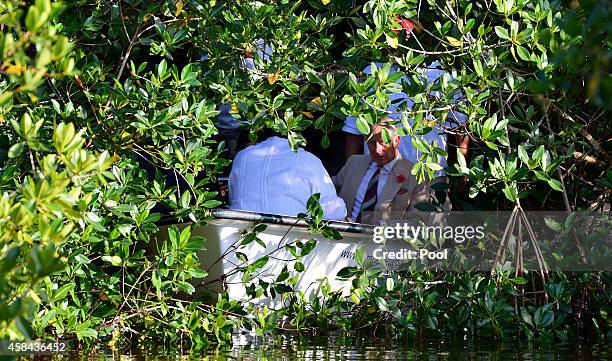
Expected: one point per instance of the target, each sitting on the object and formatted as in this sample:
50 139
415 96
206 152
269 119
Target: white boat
225 230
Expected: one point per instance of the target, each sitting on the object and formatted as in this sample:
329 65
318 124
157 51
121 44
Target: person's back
271 178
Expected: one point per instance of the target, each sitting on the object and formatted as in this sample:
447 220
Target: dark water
370 348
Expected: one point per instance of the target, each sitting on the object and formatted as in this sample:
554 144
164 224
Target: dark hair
265 133
245 138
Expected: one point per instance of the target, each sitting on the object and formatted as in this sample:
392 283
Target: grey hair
386 123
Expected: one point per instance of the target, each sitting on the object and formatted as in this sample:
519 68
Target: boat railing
345 227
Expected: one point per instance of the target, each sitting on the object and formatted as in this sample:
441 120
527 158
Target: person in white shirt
354 138
269 177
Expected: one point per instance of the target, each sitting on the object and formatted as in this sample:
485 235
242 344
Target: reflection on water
367 347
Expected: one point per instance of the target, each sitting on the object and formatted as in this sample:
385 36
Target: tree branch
579 156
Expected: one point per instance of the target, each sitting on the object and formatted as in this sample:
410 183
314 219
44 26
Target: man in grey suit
378 186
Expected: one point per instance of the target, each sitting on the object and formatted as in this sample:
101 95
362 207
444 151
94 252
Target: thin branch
592 141
129 50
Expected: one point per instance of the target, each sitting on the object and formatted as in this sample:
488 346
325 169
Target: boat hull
223 234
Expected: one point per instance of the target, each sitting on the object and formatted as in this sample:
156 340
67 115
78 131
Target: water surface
366 347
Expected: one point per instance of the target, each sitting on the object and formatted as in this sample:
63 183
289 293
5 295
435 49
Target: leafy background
107 121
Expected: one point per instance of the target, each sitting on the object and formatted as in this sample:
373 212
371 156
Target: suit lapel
355 180
401 167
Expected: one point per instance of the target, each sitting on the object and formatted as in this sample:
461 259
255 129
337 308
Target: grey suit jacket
400 194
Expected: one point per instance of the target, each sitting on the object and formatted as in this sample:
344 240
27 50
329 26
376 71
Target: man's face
381 152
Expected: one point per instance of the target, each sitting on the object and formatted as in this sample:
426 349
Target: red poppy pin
400 178
405 24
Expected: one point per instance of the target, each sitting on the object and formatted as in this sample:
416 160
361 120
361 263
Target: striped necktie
369 200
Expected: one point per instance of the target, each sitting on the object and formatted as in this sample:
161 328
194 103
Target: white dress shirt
363 186
269 177
407 150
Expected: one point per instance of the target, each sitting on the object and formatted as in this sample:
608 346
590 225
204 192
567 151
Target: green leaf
114 260
61 292
420 144
490 123
552 224
16 150
360 255
491 145
390 284
283 275
347 272
570 221
362 125
519 280
186 287
431 322
198 273
186 199
502 33
260 227
522 52
44 58
161 68
478 67
555 184
461 160
545 160
308 247
434 166
212 203
392 41
510 193
87 333
250 237
296 140
325 142
386 136
33 19
541 175
523 154
382 304
82 259
260 263
454 41
355 298
282 288
538 153
56 106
